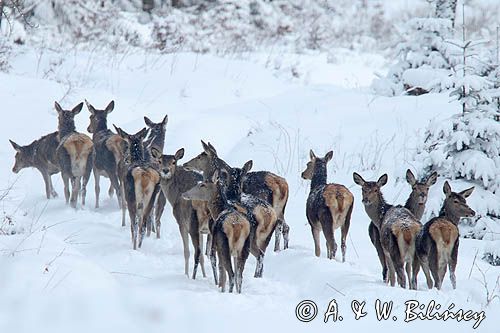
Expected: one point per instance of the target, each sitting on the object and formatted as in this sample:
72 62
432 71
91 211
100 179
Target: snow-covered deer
140 184
74 154
230 230
191 215
437 243
375 204
107 150
261 184
41 155
329 206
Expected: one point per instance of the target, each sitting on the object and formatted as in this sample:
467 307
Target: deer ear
312 155
110 107
165 121
466 193
15 145
120 131
382 180
58 107
410 177
156 153
206 149
148 121
143 133
328 156
247 166
76 110
212 149
90 107
447 188
358 179
215 176
432 179
179 154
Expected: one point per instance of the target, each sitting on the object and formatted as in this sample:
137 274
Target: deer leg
195 239
259 268
114 186
133 225
76 187
415 270
46 180
213 262
434 266
391 273
286 232
277 234
86 177
209 245
453 264
425 267
124 203
202 258
225 259
331 246
315 233
160 206
141 221
52 190
185 244
375 238
111 191
344 230
97 188
65 178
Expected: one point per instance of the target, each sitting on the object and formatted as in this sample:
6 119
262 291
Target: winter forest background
442 50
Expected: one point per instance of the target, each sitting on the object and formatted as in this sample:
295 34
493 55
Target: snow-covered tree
446 9
425 58
467 145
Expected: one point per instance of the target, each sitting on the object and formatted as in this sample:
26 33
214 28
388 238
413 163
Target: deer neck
158 141
217 204
136 153
319 177
414 207
448 214
102 125
376 211
65 128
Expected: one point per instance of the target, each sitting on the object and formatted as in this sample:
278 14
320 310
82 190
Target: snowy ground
75 270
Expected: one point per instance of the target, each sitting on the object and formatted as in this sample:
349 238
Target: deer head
98 118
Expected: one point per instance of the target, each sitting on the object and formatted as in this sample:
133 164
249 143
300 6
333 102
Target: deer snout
15 169
471 213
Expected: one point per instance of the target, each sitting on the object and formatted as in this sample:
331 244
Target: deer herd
239 210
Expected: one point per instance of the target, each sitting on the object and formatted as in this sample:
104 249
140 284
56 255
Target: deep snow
75 270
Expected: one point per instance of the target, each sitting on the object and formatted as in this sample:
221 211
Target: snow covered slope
67 270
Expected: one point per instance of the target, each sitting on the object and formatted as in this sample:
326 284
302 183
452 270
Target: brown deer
41 155
329 206
399 231
140 184
375 207
74 154
231 230
374 203
259 213
419 192
156 140
190 215
261 184
437 243
107 150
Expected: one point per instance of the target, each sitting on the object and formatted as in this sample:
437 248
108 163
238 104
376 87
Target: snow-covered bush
425 58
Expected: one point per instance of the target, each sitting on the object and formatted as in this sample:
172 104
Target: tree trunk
148 5
446 9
